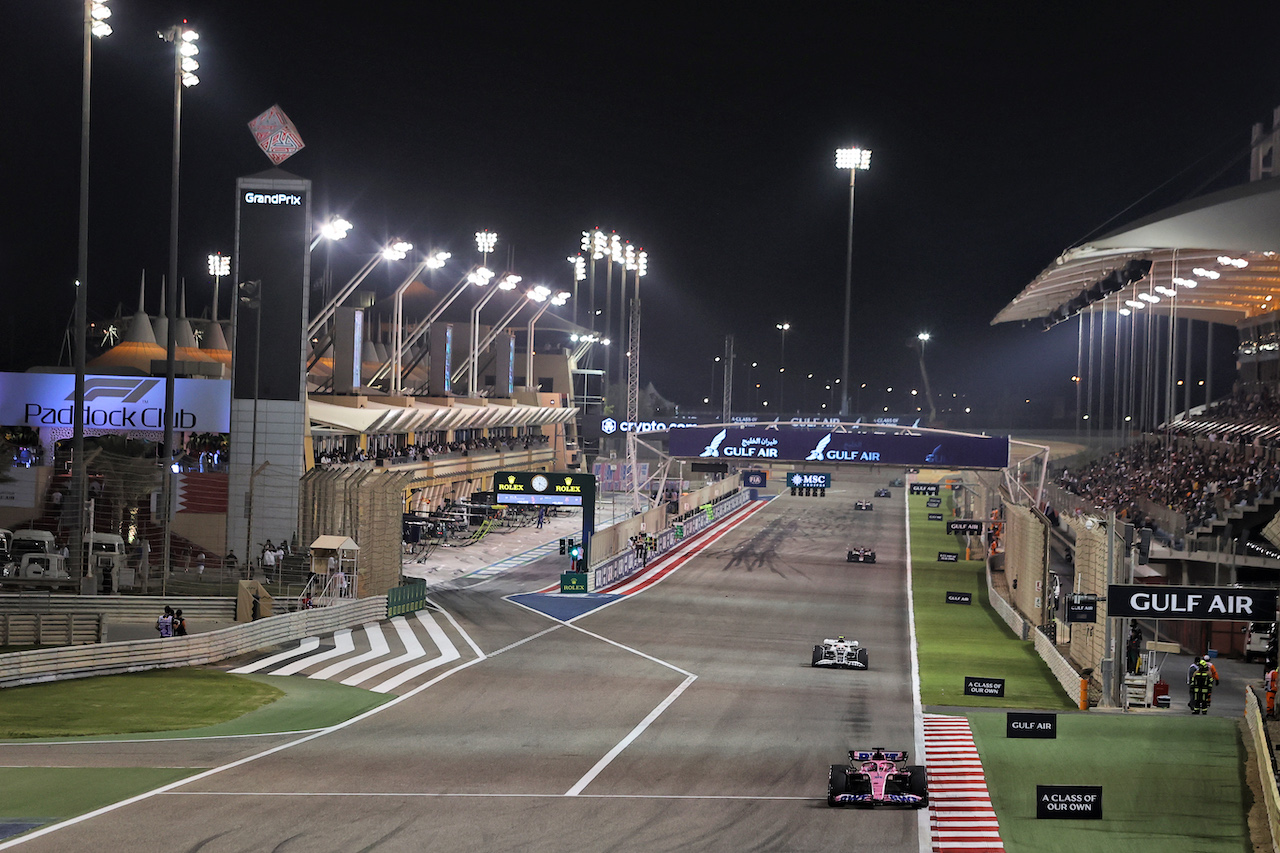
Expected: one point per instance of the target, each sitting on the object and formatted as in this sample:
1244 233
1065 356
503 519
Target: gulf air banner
796 444
122 403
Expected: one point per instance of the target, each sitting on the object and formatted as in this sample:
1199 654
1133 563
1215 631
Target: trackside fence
623 565
58 664
1266 762
1062 670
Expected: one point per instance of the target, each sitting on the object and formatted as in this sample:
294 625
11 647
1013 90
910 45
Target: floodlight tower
96 13
921 340
855 160
183 39
219 265
633 378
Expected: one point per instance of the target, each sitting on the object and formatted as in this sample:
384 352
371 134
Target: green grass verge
177 703
1169 783
158 700
956 640
47 794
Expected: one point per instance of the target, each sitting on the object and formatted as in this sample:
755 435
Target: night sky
703 134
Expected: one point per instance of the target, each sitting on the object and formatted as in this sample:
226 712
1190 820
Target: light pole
557 300
396 250
714 362
95 23
334 228
219 265
921 340
507 282
183 39
855 160
433 261
579 275
782 360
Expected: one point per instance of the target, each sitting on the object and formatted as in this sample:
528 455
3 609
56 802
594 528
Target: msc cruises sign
114 402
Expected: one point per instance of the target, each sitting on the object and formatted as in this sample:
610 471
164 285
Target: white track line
626 741
342 644
491 796
164 789
307 645
448 652
412 651
377 648
923 836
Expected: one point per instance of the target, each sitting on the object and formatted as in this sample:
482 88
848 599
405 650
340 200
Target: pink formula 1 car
877 778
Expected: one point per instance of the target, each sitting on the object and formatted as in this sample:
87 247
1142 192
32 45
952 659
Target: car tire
817 655
861 656
919 784
837 783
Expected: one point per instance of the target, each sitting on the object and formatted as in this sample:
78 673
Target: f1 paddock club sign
553 487
798 444
124 403
1191 602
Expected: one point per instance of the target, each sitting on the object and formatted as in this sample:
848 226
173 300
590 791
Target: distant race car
896 482
862 505
877 777
860 555
882 493
840 653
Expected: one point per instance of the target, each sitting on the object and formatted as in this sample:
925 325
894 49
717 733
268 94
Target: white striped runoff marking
448 652
412 651
342 644
960 808
307 645
377 648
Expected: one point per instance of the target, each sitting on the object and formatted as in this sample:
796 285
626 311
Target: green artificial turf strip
1169 783
299 704
46 794
157 700
957 640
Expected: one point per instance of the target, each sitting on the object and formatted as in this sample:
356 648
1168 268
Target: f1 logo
130 390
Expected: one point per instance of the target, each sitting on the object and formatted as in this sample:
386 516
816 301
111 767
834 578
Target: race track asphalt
685 717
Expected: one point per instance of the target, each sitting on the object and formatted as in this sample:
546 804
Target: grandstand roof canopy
1184 242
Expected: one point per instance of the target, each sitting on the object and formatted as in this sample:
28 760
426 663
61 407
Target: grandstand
1193 483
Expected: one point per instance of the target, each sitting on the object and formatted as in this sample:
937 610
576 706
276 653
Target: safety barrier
1266 762
1061 668
40 665
50 629
622 566
120 608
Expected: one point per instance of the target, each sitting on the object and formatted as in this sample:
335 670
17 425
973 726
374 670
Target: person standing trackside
165 623
179 625
1201 682
1269 681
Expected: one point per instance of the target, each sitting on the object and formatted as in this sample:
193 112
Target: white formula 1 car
840 653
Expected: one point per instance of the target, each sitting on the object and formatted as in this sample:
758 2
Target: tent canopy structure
335 543
1212 258
375 418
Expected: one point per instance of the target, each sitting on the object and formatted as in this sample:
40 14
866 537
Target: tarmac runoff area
689 718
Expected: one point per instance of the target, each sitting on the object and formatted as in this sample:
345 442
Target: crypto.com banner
795 444
124 403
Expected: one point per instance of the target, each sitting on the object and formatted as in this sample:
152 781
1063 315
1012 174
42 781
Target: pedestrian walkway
392 656
961 816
